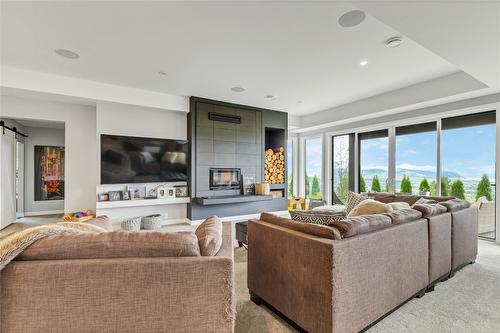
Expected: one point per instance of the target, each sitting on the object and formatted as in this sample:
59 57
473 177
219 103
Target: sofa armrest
292 271
120 294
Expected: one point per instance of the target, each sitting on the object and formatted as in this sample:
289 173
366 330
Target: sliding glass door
342 167
468 153
373 161
416 154
314 167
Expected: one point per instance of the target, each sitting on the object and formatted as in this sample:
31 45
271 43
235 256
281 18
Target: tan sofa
119 282
326 283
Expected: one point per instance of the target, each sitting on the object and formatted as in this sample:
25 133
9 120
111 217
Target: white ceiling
295 50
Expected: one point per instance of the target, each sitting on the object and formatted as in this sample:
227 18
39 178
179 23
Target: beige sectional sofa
346 276
119 282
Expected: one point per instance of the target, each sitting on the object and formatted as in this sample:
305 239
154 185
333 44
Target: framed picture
161 193
137 192
115 195
171 192
103 197
126 195
152 192
49 173
248 185
181 191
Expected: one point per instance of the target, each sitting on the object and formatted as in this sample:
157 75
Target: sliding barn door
7 179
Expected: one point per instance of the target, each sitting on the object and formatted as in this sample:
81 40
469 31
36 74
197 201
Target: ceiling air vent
224 118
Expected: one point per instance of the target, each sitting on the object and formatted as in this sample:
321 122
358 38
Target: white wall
80 142
123 119
39 136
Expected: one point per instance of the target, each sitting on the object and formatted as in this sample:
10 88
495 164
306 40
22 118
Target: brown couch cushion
369 207
424 201
316 216
308 228
404 215
357 225
209 235
116 244
454 205
428 210
382 197
101 221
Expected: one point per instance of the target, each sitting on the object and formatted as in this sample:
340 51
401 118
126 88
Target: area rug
469 302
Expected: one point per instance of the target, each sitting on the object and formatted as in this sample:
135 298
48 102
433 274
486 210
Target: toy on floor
79 216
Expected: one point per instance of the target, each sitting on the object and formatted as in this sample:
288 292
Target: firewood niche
274 156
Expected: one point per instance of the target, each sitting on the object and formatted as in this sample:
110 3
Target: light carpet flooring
468 302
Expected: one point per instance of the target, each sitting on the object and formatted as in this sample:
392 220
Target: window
314 167
468 153
416 153
373 161
289 166
342 167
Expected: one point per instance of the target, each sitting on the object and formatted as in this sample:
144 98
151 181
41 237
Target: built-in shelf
228 199
140 203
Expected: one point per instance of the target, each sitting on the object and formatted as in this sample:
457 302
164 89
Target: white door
20 179
8 179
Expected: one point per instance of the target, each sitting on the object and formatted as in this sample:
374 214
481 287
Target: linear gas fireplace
225 178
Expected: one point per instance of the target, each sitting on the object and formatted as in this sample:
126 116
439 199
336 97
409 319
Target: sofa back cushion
399 205
454 205
404 215
209 235
317 216
308 228
116 244
368 207
357 225
429 210
382 196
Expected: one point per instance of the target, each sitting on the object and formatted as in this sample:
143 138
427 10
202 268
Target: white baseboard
44 212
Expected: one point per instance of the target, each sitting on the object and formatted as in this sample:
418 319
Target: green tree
484 188
315 189
342 187
405 185
457 189
290 185
424 186
445 186
362 184
308 187
376 184
433 188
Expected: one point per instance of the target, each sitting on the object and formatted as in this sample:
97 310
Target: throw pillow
316 217
369 207
209 235
353 199
399 205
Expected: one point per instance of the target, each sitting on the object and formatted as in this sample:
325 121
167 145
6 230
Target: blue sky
469 152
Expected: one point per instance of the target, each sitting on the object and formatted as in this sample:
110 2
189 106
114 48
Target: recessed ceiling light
67 54
299 102
363 63
352 18
162 73
271 97
394 42
238 89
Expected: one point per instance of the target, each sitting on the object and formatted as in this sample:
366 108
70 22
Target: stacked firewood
274 169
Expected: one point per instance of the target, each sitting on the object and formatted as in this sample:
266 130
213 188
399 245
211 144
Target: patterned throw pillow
316 217
353 199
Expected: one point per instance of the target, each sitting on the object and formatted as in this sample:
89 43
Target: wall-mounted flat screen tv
127 159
